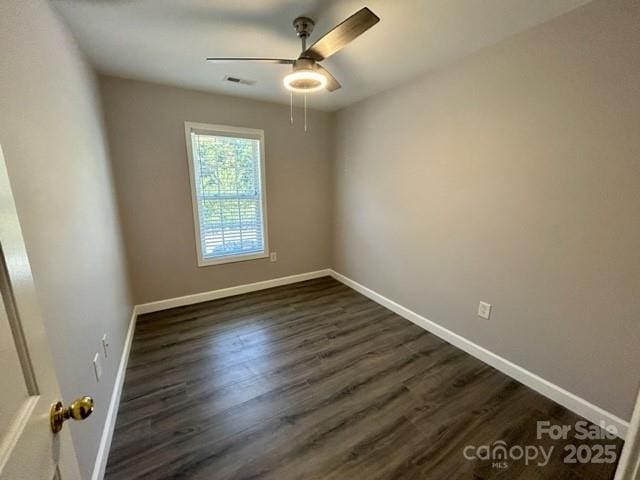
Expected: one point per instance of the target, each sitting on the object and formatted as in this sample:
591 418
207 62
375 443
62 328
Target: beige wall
513 177
145 125
51 134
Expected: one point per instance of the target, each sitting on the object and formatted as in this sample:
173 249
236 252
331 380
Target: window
226 165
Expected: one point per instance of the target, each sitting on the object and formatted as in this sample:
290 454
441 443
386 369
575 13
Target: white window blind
227 180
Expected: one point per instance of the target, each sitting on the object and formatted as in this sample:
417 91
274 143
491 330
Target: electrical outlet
97 367
484 310
273 256
105 346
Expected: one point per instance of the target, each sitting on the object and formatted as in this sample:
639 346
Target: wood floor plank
315 381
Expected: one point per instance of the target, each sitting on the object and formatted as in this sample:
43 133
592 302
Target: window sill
231 259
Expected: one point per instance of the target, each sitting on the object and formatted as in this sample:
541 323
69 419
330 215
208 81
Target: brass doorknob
79 409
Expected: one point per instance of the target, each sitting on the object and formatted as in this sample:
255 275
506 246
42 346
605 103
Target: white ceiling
166 41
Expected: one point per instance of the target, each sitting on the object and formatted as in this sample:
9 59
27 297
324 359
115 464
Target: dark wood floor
315 381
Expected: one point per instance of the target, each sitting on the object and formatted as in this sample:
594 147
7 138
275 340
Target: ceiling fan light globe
305 81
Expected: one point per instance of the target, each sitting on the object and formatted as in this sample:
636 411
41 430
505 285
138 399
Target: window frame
241 132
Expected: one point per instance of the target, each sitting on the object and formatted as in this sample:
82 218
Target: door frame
629 465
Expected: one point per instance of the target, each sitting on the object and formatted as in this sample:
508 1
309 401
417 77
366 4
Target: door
29 450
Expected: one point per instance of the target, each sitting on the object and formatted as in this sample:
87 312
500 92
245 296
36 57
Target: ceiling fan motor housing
303 63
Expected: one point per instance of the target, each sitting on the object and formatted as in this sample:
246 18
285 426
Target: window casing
226 168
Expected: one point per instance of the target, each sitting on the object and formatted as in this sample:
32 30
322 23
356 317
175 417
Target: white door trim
629 465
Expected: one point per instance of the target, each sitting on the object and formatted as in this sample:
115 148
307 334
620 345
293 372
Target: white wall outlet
97 367
484 310
105 346
273 256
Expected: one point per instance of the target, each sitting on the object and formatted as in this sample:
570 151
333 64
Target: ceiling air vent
241 81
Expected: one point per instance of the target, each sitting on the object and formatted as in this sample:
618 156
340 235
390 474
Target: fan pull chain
305 112
291 103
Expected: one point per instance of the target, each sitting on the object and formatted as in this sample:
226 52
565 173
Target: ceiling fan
308 75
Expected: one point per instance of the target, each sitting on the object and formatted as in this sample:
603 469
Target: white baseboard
112 413
565 398
533 381
227 292
107 433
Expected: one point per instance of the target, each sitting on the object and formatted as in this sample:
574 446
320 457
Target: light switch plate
273 256
484 310
97 367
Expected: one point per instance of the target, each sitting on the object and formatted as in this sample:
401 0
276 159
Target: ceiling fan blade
341 35
332 83
282 61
